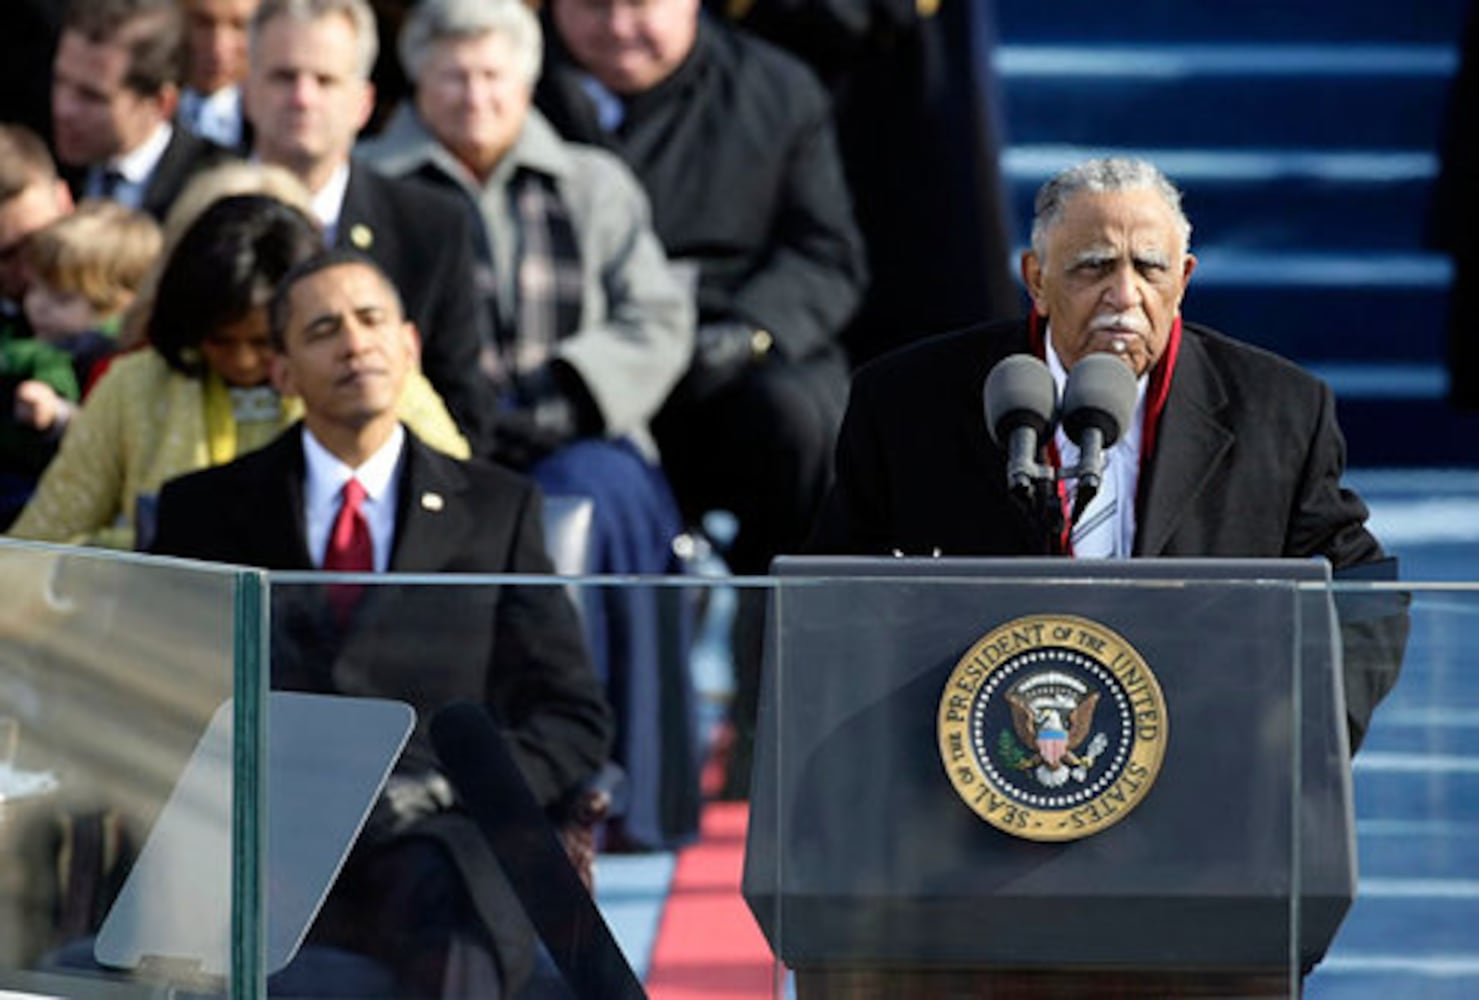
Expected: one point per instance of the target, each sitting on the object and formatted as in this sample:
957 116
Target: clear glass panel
439 758
116 790
861 857
861 853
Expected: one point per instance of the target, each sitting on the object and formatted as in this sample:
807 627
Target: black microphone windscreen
1100 393
1019 391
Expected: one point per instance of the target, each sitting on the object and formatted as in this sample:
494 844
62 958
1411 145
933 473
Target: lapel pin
361 235
432 501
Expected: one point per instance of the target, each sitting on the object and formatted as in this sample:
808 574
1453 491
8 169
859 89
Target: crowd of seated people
200 392
629 267
590 328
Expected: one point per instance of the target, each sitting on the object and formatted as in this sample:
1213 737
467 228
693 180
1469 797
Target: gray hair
433 21
1103 175
361 18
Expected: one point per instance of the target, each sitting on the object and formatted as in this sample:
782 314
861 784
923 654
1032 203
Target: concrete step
1410 432
1280 200
1248 20
1326 307
1388 97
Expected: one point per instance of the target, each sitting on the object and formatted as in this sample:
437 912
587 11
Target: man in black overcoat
734 143
1230 452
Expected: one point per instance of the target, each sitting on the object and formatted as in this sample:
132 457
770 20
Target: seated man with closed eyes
351 488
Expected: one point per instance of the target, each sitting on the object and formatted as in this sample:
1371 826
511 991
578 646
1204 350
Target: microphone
1098 402
1021 404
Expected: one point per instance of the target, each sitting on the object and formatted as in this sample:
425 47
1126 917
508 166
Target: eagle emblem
1052 727
1053 713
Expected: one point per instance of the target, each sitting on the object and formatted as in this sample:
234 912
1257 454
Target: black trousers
403 903
760 447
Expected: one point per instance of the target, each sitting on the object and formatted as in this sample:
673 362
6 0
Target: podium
874 862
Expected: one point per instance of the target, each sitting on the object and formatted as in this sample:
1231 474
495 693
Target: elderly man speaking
1230 451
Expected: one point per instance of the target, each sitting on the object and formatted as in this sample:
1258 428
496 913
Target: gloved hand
550 408
407 798
522 437
721 353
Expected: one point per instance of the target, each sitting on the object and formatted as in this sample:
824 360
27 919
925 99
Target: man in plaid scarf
591 330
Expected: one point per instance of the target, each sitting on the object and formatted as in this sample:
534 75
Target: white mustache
1118 323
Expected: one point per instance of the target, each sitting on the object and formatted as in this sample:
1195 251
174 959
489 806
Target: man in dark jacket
733 141
1230 452
115 87
307 95
351 489
735 144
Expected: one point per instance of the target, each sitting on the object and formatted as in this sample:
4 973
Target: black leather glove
551 408
522 437
722 352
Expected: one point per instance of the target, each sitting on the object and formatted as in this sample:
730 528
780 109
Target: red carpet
708 945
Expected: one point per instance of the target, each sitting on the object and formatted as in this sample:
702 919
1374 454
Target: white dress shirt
323 488
216 117
1122 460
328 202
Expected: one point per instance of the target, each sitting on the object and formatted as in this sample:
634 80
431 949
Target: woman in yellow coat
200 394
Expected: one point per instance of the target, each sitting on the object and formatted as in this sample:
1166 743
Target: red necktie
350 549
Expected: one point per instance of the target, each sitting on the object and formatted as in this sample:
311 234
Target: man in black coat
115 87
916 98
421 887
307 95
734 143
1231 451
1454 220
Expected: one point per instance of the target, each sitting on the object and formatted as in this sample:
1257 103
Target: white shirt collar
1131 436
214 116
328 202
135 168
139 164
323 483
611 110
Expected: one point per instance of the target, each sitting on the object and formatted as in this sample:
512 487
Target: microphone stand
1050 515
1089 471
1036 494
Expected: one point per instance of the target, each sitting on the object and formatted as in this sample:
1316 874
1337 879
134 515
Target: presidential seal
1052 728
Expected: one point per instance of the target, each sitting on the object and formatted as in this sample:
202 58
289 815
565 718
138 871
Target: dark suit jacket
518 650
1247 464
423 238
186 154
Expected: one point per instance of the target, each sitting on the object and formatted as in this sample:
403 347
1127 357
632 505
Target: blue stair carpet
1304 134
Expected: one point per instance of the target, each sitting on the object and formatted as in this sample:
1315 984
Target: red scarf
1155 404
